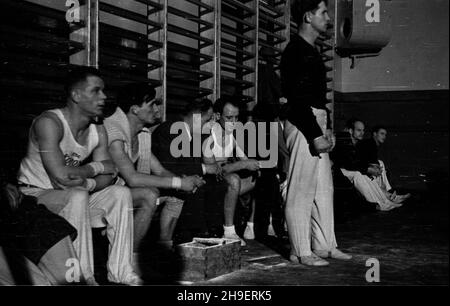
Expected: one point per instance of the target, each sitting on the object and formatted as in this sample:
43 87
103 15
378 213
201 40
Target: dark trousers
203 210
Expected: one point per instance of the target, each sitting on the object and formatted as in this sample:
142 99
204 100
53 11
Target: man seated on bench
56 172
35 244
178 146
240 172
130 149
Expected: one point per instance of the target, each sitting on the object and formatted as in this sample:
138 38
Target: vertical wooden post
212 50
160 54
88 35
253 62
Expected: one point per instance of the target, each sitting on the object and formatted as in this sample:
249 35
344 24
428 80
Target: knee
148 199
122 195
234 182
80 198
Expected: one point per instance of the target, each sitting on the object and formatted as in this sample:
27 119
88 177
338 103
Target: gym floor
410 245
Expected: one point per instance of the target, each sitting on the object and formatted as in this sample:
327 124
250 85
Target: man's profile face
229 117
320 19
380 136
148 113
357 133
89 96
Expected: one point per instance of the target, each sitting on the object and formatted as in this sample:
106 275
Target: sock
228 230
250 224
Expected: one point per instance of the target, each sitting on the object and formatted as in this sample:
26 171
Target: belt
20 184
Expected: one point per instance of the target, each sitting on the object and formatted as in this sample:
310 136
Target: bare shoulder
49 124
102 134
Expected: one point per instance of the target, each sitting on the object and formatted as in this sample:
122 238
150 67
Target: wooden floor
410 243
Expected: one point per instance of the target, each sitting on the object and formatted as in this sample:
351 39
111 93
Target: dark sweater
303 81
368 151
346 156
161 140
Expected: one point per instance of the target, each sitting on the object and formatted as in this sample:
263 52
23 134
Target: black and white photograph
224 151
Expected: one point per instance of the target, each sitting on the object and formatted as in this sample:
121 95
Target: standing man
130 145
309 207
55 171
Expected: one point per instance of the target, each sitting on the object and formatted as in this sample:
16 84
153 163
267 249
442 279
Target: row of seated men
115 175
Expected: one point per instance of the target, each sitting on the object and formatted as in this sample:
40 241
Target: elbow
132 181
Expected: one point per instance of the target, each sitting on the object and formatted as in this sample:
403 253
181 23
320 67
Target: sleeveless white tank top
32 170
222 153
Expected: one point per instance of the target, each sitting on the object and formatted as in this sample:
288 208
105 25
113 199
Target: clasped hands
325 143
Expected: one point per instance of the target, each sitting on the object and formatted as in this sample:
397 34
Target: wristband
91 184
98 167
203 169
176 182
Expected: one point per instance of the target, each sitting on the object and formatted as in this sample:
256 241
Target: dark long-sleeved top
161 140
368 151
346 156
269 85
303 82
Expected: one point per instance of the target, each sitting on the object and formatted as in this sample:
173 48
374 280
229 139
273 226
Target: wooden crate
206 258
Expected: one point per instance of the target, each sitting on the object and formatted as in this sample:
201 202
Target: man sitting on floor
368 152
360 174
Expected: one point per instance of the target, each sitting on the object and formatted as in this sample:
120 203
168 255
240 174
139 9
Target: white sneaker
91 281
334 253
133 280
271 231
235 236
249 233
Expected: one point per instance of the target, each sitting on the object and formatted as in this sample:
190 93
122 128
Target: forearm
146 180
233 167
166 173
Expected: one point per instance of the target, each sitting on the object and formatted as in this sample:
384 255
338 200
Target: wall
416 58
405 88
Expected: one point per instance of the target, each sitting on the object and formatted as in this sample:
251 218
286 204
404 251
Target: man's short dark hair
135 94
350 124
300 7
378 127
221 102
78 75
197 106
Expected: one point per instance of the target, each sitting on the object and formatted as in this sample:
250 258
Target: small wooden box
206 258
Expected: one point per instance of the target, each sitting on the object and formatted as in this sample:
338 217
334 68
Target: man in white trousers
368 151
309 207
55 171
360 165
